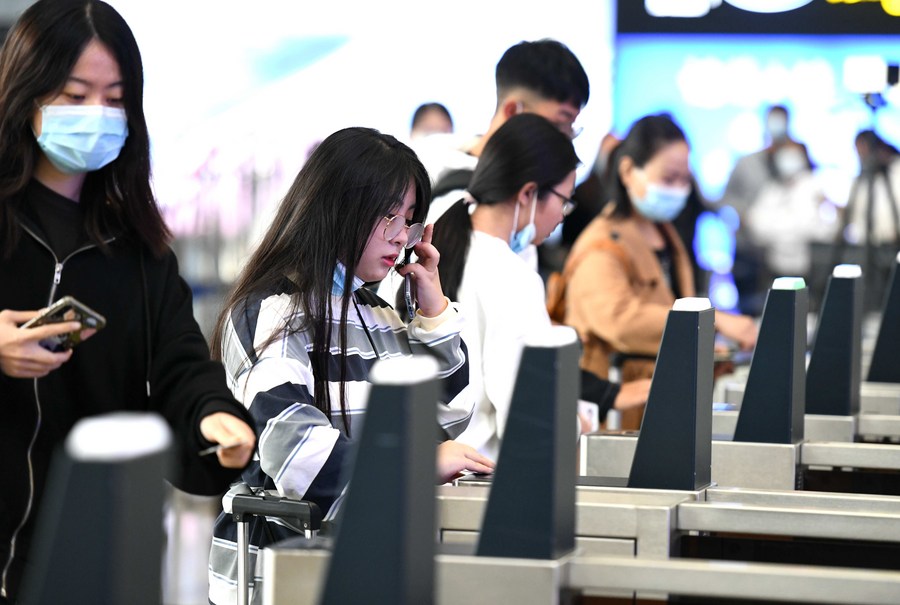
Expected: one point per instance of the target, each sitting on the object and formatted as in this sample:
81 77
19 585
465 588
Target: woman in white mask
78 218
519 193
629 265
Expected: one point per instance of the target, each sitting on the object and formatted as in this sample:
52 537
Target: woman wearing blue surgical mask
629 265
519 193
78 218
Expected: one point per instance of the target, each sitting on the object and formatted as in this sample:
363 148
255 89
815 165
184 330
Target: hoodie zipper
57 277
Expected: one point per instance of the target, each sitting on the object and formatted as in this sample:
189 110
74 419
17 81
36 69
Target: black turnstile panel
384 543
99 534
775 396
885 363
674 445
833 375
531 508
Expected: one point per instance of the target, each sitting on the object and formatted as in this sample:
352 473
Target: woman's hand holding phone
67 309
429 296
21 355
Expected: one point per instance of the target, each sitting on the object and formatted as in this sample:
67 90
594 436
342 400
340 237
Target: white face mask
789 162
82 138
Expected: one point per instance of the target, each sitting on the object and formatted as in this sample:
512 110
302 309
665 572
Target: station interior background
237 93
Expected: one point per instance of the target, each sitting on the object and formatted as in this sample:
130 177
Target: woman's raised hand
426 280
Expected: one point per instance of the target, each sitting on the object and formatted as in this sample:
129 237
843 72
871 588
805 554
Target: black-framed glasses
568 203
393 227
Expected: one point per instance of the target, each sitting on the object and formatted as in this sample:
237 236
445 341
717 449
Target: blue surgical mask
82 138
662 204
338 277
520 240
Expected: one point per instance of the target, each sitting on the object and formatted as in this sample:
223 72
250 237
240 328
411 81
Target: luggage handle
243 506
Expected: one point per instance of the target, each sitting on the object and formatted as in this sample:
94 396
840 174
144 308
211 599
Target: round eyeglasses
568 203
393 227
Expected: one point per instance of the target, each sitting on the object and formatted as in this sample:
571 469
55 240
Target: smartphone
408 295
66 309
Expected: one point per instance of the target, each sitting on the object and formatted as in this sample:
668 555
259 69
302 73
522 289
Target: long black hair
37 57
352 180
645 138
526 148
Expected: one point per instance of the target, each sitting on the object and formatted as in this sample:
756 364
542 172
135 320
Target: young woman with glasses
299 331
518 195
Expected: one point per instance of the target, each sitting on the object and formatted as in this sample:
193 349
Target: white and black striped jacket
301 452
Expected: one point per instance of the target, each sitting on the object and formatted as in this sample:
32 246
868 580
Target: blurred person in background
782 158
878 185
430 118
777 200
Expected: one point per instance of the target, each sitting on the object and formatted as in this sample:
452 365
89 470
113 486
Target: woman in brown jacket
629 264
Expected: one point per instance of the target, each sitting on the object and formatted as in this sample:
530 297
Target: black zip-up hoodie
138 294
